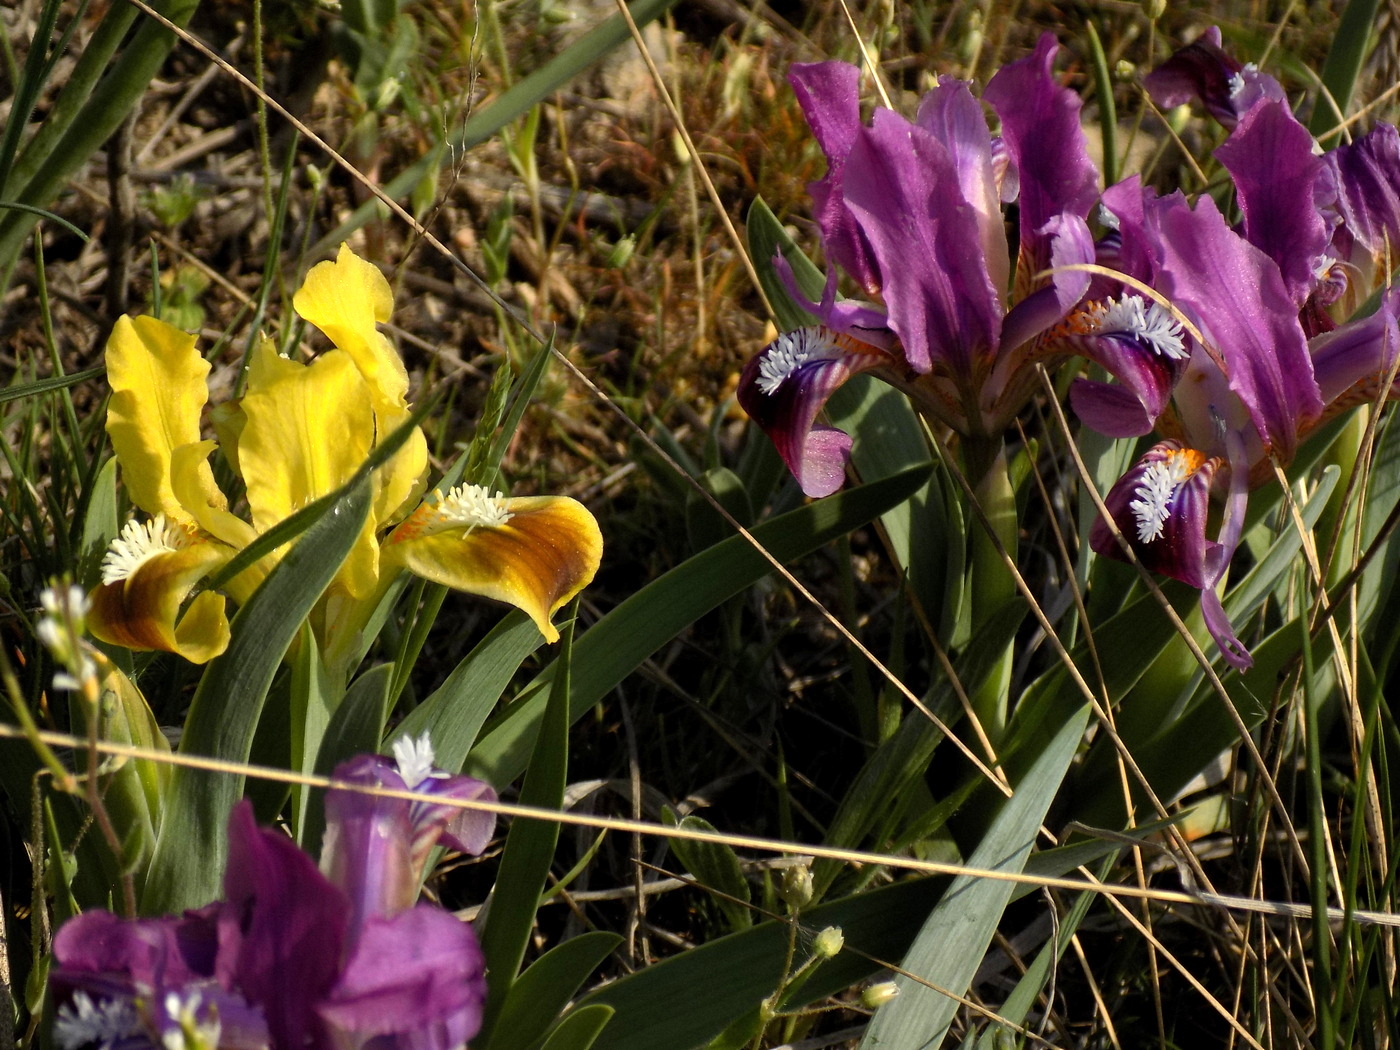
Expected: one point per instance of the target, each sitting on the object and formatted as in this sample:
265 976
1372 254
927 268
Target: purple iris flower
1276 358
912 212
293 958
1204 70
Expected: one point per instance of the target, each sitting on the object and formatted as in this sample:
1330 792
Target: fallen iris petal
785 386
535 553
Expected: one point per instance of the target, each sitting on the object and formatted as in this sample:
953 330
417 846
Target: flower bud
828 942
877 995
796 887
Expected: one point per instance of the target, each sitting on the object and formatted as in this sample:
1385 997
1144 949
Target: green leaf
1351 42
455 713
579 1031
546 987
356 728
723 980
312 703
767 238
189 854
529 849
952 942
619 642
715 866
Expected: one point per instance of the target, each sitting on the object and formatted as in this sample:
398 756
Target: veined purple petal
376 846
1041 127
1143 346
785 386
903 189
1069 243
153 953
282 931
414 982
1204 70
829 94
1368 187
954 117
1352 361
1269 155
1239 301
1160 507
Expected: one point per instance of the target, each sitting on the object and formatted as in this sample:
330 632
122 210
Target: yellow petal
345 299
399 484
158 390
141 610
307 429
188 463
535 552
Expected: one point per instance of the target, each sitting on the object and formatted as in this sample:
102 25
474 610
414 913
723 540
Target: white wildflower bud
828 942
796 887
877 995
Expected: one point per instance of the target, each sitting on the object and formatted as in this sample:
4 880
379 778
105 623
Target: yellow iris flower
300 432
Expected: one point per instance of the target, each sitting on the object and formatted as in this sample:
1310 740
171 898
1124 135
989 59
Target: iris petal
544 552
784 388
158 391
142 610
346 299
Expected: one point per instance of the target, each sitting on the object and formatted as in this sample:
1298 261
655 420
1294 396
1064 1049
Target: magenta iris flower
295 958
912 212
1272 300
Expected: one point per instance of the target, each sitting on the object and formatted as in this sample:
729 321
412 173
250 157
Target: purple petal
152 953
1352 361
903 189
1204 70
1160 506
1270 157
415 982
829 94
785 386
850 316
1367 175
1070 243
1239 301
1041 127
1111 409
283 928
376 847
954 118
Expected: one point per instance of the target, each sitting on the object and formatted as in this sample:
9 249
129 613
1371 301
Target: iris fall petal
534 553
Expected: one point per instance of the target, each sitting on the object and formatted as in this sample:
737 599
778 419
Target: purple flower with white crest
295 958
912 212
1271 299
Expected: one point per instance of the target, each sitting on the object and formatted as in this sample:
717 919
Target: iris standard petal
903 189
147 573
158 391
346 300
534 553
1239 301
1204 70
1367 174
415 981
786 385
1269 157
955 118
829 94
308 429
1041 128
